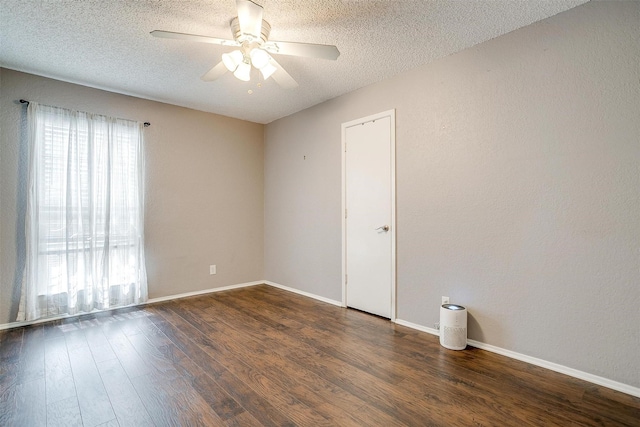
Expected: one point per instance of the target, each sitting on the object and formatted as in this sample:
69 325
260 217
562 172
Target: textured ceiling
106 44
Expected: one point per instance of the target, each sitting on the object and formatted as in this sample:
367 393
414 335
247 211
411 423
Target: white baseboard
204 291
431 331
595 379
244 285
303 293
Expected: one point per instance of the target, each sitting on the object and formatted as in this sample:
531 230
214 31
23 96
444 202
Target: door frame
392 115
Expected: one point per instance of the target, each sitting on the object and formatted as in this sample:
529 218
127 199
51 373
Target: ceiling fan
251 36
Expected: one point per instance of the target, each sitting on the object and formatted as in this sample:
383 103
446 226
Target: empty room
319 213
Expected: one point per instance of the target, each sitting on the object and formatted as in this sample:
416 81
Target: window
85 213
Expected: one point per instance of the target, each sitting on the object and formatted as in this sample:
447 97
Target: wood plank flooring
260 356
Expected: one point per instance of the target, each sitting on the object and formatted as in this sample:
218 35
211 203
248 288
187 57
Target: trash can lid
453 307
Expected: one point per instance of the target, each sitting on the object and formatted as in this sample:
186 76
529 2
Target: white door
369 223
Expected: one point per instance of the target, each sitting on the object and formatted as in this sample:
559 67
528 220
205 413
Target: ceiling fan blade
249 18
282 77
214 73
193 38
308 50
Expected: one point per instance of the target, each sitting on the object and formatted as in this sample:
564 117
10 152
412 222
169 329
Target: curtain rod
24 101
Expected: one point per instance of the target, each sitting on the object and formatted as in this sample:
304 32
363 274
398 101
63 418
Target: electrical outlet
212 269
445 300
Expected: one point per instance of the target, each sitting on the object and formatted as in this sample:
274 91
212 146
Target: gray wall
518 190
204 187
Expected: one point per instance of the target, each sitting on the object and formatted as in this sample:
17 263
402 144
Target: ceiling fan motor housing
240 37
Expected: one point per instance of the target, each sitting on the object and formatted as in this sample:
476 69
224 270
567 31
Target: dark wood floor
261 356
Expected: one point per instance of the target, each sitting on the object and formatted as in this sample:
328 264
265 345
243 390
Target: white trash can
453 326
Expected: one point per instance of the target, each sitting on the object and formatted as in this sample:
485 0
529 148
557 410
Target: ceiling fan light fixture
268 70
232 60
243 72
259 58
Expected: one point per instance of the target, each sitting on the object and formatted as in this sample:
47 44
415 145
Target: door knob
383 228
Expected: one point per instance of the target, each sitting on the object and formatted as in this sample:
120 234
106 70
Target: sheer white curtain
85 213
